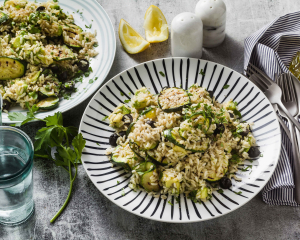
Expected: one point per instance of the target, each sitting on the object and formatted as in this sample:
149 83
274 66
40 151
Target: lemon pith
155 25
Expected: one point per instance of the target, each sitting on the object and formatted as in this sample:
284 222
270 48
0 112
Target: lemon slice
155 25
130 39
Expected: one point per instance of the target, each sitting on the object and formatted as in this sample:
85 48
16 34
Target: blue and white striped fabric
272 49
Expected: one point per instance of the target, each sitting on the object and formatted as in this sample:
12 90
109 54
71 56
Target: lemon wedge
155 25
130 39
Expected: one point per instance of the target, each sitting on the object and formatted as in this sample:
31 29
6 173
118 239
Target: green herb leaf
226 86
237 112
201 72
122 94
106 117
16 116
238 193
161 73
127 101
170 202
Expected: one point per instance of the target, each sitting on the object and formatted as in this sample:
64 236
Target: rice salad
179 141
43 53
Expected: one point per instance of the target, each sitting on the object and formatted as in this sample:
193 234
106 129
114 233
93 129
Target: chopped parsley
177 199
91 81
90 26
192 196
98 144
261 155
170 202
226 86
123 192
161 73
55 0
127 101
95 45
106 117
122 94
220 191
118 182
201 72
246 169
237 112
238 193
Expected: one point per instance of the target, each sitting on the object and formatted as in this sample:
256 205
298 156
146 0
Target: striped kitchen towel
272 49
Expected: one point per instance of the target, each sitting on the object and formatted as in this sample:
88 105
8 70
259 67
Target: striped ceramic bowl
184 72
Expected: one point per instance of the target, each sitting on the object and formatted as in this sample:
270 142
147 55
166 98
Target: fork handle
296 158
296 123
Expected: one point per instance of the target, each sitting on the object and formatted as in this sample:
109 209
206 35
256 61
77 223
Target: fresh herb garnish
98 144
192 196
90 26
118 182
246 169
237 112
66 143
238 193
161 73
177 199
201 72
127 101
170 202
91 81
220 191
226 86
122 94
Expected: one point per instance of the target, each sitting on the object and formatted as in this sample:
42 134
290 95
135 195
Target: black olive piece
54 68
83 64
113 139
40 8
231 114
122 134
254 152
6 105
225 183
220 128
211 94
244 133
63 76
151 123
126 117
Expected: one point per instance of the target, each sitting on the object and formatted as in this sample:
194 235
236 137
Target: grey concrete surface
90 215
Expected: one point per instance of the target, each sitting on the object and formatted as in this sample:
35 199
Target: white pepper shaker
213 16
186 36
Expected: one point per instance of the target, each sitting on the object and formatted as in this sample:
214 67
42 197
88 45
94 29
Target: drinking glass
16 162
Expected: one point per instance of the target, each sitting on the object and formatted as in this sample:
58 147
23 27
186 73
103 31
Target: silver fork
289 100
284 127
270 89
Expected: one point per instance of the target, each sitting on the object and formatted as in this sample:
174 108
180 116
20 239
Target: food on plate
179 141
155 25
43 53
130 39
295 66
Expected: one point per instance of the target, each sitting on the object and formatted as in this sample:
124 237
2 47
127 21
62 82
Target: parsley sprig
66 143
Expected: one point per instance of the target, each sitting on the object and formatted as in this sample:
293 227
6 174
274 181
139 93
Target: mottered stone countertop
89 214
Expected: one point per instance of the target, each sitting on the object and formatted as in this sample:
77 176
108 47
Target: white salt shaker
186 36
213 16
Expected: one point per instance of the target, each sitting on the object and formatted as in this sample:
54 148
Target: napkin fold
271 49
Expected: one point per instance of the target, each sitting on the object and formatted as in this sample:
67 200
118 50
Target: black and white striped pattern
178 72
272 49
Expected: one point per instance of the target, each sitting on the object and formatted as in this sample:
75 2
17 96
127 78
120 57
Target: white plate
252 103
92 13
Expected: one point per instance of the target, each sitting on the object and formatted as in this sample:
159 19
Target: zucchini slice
11 68
70 32
127 162
174 137
149 113
199 120
149 169
60 53
152 158
46 93
48 103
135 148
173 99
130 129
3 17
